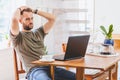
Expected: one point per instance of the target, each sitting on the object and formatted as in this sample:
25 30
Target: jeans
43 73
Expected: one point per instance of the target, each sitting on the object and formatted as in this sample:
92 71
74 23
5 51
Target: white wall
6 64
107 12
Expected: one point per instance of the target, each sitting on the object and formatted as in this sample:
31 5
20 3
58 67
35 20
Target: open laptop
76 48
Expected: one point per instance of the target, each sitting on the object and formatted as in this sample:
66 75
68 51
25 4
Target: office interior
73 17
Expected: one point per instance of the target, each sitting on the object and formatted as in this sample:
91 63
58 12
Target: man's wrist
35 11
19 9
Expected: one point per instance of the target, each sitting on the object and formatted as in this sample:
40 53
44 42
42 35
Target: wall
6 64
106 13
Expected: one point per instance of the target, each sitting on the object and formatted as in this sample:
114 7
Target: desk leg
115 74
52 71
110 74
79 73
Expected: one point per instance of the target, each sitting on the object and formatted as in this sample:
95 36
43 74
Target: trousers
43 73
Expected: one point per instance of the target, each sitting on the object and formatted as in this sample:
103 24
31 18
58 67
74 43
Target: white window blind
6 9
74 17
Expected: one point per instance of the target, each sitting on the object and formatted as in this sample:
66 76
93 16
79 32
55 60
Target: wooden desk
92 62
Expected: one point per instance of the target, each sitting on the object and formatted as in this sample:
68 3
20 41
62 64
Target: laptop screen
76 46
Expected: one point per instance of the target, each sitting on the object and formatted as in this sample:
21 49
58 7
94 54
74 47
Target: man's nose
31 20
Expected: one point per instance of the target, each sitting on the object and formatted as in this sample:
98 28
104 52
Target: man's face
27 20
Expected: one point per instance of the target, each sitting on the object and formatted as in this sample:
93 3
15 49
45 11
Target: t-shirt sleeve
40 31
14 38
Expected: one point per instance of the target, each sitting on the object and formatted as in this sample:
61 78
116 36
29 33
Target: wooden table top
89 61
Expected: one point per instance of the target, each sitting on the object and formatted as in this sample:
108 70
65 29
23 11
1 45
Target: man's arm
15 23
50 18
15 20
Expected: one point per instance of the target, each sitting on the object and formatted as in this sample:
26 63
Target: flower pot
109 41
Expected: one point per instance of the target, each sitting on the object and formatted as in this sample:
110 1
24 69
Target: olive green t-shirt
29 46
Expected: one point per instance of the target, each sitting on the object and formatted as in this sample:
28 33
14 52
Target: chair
116 38
94 74
17 71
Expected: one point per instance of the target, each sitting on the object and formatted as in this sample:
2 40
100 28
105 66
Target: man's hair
25 10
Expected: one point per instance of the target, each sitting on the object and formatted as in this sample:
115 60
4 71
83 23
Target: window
6 9
73 17
4 17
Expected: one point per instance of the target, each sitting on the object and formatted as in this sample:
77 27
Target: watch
19 9
35 11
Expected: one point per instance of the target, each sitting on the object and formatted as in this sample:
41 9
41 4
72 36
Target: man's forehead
26 14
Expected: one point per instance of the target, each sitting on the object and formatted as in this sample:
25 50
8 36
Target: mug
47 57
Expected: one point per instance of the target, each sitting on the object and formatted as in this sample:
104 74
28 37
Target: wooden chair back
17 71
116 38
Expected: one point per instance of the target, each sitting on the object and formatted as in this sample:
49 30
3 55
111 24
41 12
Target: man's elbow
53 19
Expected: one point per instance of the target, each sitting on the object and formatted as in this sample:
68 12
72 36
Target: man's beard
27 27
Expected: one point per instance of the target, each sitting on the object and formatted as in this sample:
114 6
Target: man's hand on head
23 7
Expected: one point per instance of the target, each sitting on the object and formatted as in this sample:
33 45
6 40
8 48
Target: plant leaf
108 34
104 30
110 31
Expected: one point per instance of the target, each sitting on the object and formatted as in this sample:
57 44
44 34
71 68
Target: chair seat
92 71
93 74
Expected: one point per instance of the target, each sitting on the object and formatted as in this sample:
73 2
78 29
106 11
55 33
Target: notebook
76 48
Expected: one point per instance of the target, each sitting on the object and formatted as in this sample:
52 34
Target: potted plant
108 34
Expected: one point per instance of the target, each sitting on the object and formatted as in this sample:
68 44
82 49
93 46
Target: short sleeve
15 38
40 31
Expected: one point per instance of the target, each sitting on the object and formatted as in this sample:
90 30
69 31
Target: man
30 44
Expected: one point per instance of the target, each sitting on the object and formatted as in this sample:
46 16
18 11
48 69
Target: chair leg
15 66
88 78
115 74
67 68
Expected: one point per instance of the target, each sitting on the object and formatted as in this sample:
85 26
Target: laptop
76 48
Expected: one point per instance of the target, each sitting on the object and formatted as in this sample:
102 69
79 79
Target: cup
47 57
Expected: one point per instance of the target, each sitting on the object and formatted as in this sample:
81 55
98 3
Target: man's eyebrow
27 18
